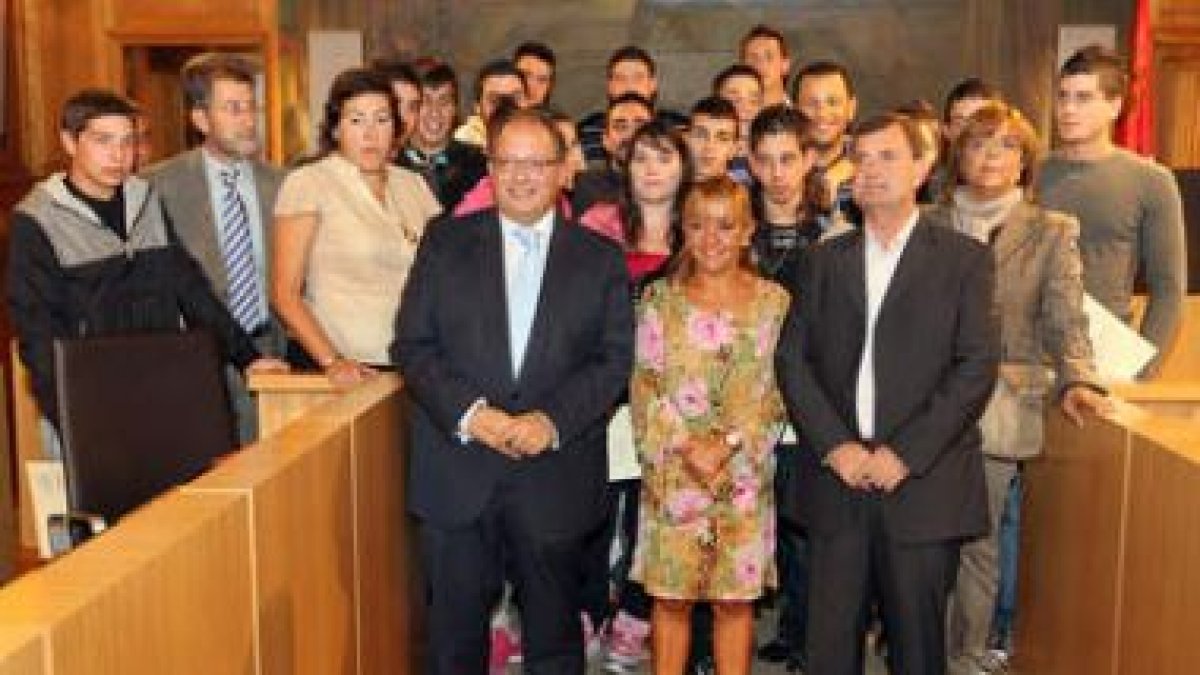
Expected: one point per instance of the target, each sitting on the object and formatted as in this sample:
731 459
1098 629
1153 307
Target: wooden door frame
262 41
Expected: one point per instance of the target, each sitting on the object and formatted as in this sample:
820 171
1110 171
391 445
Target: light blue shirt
249 193
513 253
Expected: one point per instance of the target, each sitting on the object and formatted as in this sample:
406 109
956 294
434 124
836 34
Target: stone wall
897 49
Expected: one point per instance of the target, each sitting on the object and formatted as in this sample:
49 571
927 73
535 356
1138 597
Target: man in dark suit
221 194
514 337
887 359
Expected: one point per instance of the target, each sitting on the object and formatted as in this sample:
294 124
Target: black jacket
936 357
450 174
452 349
70 277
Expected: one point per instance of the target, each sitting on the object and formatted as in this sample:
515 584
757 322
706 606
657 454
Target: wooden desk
290 557
284 397
1182 363
1110 565
1169 399
331 539
27 437
22 651
167 590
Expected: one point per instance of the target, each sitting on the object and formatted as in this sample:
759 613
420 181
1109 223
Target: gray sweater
1131 222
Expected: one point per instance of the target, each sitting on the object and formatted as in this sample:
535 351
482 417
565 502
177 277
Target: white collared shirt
880 268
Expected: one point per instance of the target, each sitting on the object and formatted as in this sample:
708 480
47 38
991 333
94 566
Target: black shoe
776 651
702 665
796 663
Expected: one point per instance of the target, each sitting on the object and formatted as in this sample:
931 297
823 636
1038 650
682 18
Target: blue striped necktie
245 301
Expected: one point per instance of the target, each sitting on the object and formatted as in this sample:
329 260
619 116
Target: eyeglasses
529 165
993 143
238 107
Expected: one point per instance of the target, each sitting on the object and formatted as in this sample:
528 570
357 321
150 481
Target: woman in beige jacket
1045 350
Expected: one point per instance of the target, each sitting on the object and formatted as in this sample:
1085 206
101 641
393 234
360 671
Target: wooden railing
291 556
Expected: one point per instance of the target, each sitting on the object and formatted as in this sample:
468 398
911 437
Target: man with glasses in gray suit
218 199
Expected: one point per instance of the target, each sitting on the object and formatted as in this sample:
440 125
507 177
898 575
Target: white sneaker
593 639
995 661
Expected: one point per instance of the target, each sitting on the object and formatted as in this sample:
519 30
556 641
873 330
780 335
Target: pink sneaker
506 648
627 643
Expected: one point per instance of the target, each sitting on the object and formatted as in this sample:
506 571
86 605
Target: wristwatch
733 439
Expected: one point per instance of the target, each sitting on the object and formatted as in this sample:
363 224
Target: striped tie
245 302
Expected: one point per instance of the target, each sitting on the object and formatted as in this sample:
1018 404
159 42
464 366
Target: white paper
48 494
622 455
1121 353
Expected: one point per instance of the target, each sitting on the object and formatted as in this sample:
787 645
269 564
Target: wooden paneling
1180 400
388 626
130 602
299 485
186 16
63 51
28 439
283 398
71 44
1161 594
1175 14
1071 540
390 629
22 651
288 557
1177 81
1182 364
306 564
9 491
1111 548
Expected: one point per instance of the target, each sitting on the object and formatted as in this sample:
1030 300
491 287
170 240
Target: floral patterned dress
697 374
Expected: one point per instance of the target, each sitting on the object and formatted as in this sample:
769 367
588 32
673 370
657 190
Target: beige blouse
361 251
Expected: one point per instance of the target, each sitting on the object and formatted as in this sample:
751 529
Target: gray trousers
973 601
244 403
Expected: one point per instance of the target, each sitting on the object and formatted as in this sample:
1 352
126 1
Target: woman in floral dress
706 417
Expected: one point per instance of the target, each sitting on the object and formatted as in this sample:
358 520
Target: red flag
1135 129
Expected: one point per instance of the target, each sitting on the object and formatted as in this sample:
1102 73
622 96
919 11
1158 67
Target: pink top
605 219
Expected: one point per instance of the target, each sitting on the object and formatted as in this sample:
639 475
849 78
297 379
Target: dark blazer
183 188
936 355
452 349
449 176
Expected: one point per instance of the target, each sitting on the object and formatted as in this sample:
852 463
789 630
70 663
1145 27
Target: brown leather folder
138 414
